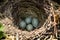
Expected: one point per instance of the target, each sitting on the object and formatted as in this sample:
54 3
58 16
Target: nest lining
24 9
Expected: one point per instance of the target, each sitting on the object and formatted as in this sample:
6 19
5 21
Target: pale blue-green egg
28 20
29 27
22 24
35 22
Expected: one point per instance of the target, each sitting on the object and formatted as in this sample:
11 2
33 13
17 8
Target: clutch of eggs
29 23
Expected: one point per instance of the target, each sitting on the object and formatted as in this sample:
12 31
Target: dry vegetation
47 11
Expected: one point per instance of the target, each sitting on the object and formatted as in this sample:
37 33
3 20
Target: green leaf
1 27
1 34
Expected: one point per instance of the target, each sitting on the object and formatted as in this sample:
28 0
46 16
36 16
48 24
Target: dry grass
15 33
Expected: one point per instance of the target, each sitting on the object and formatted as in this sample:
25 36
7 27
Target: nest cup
26 8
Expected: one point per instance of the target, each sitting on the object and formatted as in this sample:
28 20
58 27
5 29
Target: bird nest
18 10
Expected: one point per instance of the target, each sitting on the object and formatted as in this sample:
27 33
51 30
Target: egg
22 24
35 22
28 20
29 27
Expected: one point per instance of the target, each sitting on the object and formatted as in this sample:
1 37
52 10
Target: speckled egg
28 20
22 24
35 22
29 27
